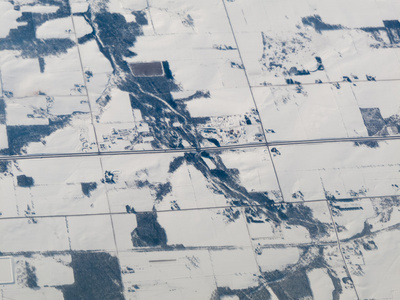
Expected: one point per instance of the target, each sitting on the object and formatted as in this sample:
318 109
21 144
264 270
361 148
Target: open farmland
214 149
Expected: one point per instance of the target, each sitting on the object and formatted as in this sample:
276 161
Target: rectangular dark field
147 69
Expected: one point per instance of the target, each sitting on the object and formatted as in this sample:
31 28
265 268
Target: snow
267 233
6 270
134 5
79 6
7 203
349 14
22 111
44 9
81 26
61 28
208 16
272 259
84 232
378 278
57 191
3 137
78 136
320 111
321 284
46 267
139 167
69 105
64 28
203 228
67 199
191 190
23 77
167 274
362 170
26 293
236 269
124 224
92 58
120 106
22 234
238 57
255 169
222 102
8 17
382 94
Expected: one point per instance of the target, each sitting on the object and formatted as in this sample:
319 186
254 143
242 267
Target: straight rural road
227 147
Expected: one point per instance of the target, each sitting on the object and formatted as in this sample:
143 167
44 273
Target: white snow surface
291 111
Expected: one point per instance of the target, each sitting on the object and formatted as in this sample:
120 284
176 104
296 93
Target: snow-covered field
342 170
7 272
215 149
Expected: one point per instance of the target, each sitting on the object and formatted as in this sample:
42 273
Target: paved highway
227 147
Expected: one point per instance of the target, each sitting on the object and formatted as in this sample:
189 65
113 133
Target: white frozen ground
302 201
7 272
